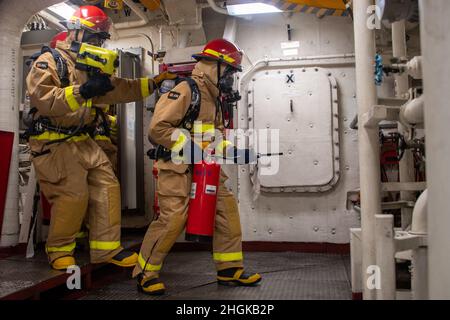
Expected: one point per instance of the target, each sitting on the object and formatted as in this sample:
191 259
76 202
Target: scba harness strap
43 124
187 122
103 128
194 109
61 64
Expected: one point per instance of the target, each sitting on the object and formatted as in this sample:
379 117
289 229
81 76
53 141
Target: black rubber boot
125 258
237 277
153 286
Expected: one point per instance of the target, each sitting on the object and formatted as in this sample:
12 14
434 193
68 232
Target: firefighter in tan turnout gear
106 130
73 172
217 63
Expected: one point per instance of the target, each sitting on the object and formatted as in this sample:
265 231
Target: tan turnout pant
77 179
173 193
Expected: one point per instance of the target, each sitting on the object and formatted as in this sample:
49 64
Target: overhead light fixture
251 8
63 10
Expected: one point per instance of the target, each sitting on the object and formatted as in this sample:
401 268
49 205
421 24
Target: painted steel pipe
412 113
419 274
420 216
216 8
369 148
385 243
406 166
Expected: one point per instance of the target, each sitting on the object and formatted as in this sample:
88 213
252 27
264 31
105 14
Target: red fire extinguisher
203 202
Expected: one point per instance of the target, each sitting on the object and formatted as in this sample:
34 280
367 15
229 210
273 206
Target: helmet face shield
226 81
95 39
228 96
100 24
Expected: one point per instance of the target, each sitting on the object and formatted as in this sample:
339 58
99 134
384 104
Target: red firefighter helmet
90 18
59 37
223 51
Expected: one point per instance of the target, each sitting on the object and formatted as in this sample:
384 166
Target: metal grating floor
17 273
286 276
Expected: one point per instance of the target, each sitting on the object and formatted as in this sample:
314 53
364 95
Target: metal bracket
397 205
405 241
379 113
403 186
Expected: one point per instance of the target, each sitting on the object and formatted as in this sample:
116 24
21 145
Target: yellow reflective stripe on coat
102 138
145 91
179 144
220 55
113 120
104 245
58 136
200 127
147 266
88 103
224 143
226 257
67 248
70 98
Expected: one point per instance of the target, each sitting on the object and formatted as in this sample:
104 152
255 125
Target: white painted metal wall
301 217
307 217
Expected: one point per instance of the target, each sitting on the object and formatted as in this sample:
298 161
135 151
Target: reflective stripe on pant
227 242
161 235
77 178
173 189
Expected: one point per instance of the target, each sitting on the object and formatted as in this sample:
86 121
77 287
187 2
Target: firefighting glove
164 76
97 85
